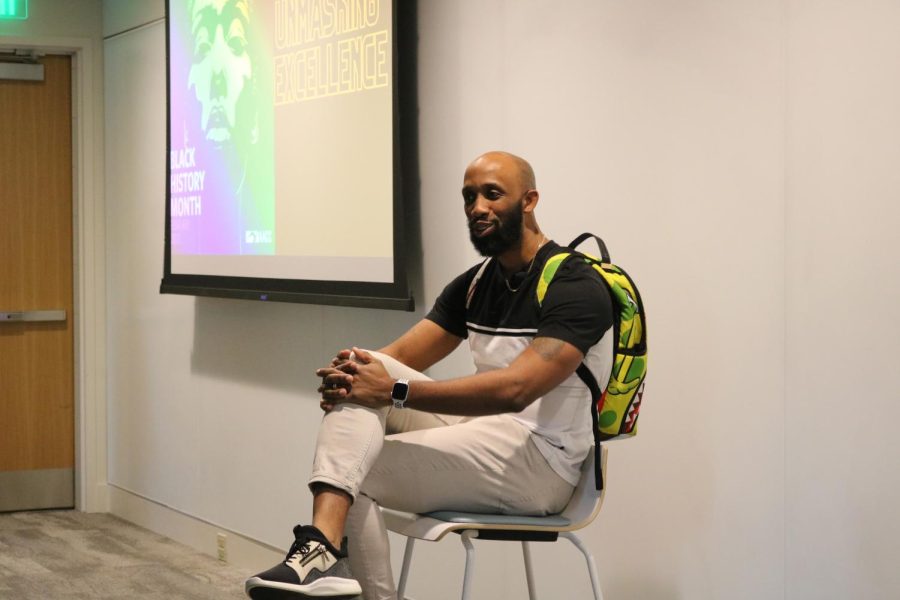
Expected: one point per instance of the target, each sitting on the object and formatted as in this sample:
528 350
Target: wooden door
37 427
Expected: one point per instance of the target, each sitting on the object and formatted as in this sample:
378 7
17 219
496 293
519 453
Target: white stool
581 510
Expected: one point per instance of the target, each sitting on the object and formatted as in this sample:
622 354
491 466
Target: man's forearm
545 364
422 346
488 393
365 381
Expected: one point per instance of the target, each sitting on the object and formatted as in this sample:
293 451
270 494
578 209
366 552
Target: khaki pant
426 462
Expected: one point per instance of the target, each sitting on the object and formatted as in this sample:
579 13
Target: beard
506 234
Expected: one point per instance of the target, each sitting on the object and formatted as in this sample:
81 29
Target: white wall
843 301
659 126
212 404
716 145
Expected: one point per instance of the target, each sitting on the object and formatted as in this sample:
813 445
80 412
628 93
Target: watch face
400 391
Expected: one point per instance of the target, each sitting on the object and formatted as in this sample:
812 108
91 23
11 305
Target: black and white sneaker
313 568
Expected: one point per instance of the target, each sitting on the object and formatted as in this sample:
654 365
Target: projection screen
284 161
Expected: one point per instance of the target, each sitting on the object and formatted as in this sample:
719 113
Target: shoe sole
334 588
262 593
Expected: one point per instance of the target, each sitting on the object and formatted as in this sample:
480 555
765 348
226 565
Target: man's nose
479 207
218 65
218 86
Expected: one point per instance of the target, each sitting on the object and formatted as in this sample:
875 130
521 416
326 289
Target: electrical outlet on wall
221 550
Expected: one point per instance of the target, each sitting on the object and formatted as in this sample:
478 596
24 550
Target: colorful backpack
614 411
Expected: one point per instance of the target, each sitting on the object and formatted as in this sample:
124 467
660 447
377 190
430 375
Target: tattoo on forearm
547 348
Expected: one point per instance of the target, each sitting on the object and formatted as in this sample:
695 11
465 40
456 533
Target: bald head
505 161
499 200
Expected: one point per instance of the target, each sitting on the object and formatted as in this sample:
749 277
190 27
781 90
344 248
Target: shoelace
302 547
299 546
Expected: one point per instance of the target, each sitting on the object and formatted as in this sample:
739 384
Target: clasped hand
354 376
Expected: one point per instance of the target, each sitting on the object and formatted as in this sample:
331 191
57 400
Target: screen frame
362 294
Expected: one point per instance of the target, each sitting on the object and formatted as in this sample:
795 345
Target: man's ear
530 201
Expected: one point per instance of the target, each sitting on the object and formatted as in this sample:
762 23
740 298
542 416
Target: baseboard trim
201 535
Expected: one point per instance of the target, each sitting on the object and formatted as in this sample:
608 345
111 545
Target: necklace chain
531 264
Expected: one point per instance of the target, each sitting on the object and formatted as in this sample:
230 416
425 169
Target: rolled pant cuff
326 479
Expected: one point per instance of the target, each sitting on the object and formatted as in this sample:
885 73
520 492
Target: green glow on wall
13 9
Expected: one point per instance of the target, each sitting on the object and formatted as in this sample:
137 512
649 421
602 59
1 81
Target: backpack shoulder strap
548 272
584 373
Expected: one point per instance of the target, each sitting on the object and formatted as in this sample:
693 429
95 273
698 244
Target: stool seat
554 521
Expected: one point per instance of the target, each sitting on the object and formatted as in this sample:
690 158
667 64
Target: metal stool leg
404 572
529 575
592 567
470 561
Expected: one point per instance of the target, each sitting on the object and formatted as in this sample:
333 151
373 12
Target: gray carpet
67 554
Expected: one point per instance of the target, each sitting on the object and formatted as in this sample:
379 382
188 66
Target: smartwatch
400 393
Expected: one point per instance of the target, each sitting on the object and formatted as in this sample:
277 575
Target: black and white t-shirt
500 324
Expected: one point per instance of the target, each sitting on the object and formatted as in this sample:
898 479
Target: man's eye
468 197
237 45
492 194
201 49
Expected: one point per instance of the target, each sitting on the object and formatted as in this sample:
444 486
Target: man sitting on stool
508 439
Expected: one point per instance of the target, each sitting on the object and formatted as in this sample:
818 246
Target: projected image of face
221 69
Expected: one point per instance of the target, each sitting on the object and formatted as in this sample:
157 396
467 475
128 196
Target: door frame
89 257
